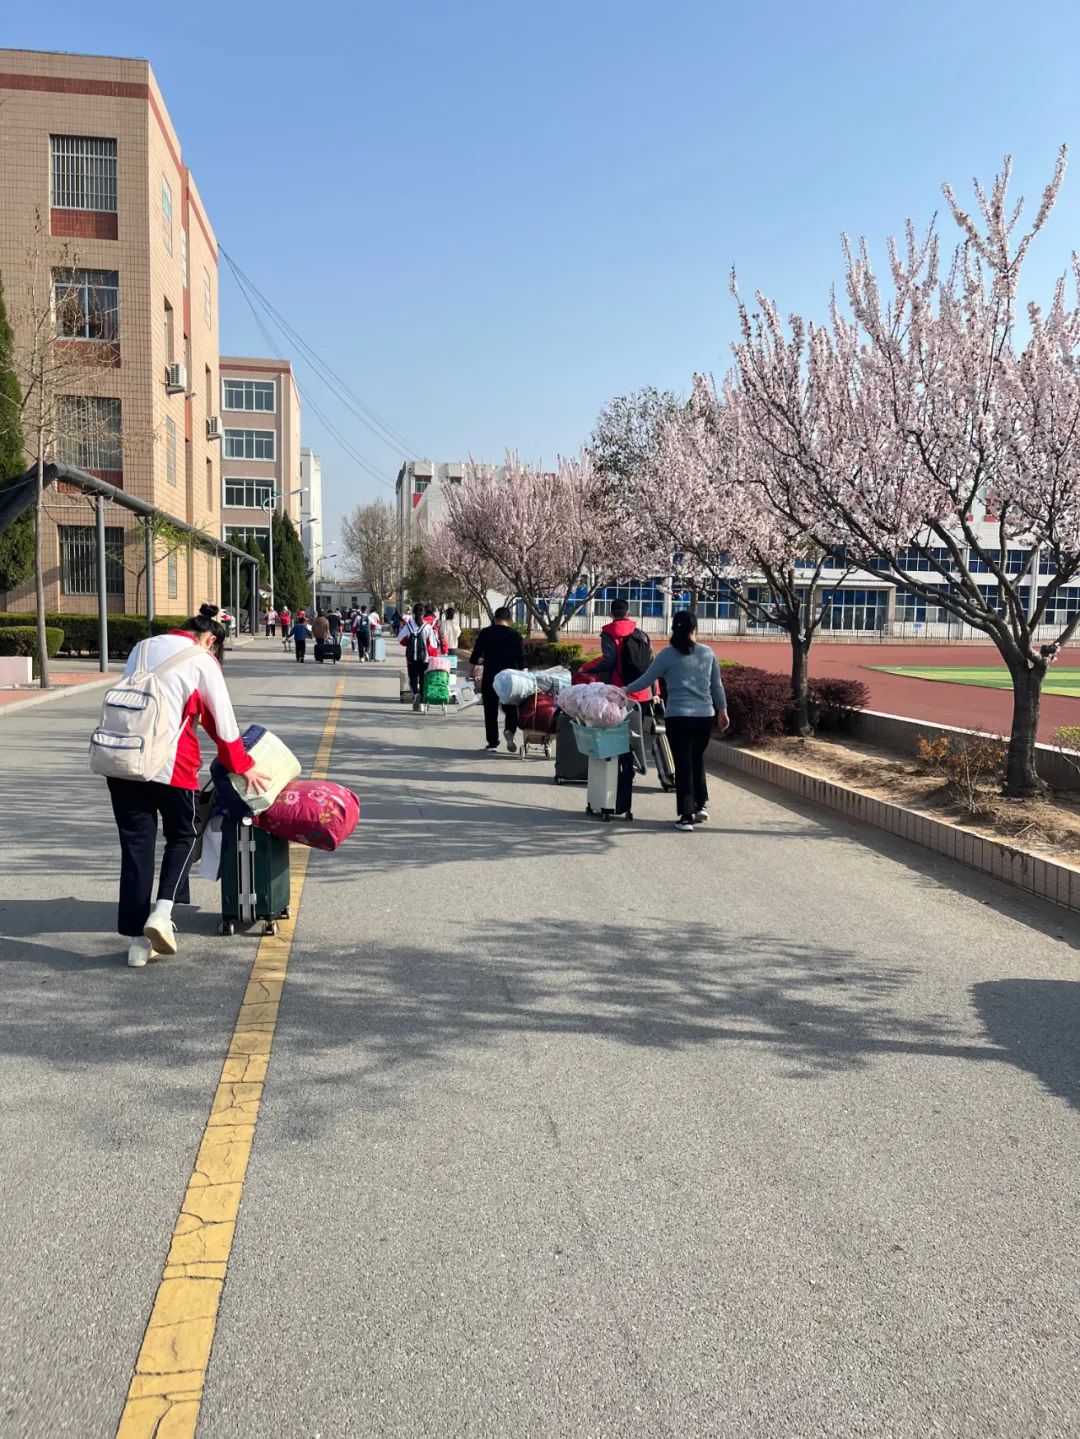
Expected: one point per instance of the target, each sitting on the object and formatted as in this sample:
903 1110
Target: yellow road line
166 1390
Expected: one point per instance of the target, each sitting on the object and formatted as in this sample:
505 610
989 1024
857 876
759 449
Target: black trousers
491 715
301 650
417 669
689 739
136 806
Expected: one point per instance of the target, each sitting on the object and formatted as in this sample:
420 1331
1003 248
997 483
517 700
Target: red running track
970 706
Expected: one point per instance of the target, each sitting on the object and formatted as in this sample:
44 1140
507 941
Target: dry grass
1049 826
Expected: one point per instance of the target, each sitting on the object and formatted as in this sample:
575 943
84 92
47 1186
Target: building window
762 595
210 485
86 304
715 602
83 173
170 334
1062 607
88 432
240 534
419 486
247 494
174 576
207 298
184 257
170 449
644 599
856 610
249 395
250 445
918 558
78 560
166 213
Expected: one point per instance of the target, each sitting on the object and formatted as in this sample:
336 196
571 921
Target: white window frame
87 282
167 213
256 486
230 435
244 383
90 453
208 300
170 449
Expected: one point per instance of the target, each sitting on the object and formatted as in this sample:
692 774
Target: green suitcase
254 878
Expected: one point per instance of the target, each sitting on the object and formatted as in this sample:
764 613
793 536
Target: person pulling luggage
420 642
181 673
498 647
695 702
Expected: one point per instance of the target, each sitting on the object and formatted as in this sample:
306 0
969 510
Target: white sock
163 909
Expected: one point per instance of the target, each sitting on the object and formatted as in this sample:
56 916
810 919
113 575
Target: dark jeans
689 739
363 643
491 715
136 805
417 669
301 650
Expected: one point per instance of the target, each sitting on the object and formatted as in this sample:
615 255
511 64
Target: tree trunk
39 574
1021 777
800 689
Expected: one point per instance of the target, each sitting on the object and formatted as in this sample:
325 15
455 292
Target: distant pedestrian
420 641
271 618
301 633
321 630
695 703
498 647
286 624
362 631
451 630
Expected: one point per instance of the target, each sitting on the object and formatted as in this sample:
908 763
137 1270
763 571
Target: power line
380 428
359 459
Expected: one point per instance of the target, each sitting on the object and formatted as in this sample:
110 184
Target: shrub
80 632
546 654
758 702
966 762
467 640
23 640
833 703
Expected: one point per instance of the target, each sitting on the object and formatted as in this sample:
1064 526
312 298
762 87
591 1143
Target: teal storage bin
603 743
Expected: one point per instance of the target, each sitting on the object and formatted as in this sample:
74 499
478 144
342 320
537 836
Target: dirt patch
1049 827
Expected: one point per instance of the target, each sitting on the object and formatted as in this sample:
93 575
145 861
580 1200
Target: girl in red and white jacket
193 693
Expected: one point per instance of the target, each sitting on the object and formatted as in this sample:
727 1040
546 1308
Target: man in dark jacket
498 647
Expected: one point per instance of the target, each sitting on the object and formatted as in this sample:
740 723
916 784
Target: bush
467 641
23 640
758 702
833 703
546 654
966 762
80 632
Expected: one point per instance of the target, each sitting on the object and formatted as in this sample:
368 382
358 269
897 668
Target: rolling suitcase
661 751
571 766
254 877
336 650
378 649
611 786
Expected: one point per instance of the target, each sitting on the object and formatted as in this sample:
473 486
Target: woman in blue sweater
695 701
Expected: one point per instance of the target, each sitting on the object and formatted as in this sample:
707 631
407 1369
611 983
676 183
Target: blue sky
491 218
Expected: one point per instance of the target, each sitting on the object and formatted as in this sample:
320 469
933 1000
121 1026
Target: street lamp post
268 505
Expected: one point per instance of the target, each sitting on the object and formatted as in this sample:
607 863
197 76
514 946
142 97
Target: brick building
94 183
260 447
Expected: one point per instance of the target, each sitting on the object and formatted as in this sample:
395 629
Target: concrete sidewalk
569 1130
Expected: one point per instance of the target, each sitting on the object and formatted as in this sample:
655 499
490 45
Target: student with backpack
362 632
420 641
626 652
147 748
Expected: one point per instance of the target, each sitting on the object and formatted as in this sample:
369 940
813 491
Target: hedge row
23 640
80 632
759 703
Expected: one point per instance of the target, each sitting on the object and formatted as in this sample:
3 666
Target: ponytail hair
683 629
207 622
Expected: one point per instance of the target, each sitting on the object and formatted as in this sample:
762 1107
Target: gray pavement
569 1130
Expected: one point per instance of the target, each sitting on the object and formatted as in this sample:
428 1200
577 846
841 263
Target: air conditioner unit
176 379
213 427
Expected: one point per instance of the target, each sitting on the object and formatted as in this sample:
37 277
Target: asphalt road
569 1130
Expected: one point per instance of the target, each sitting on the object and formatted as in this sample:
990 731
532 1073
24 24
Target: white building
420 502
312 517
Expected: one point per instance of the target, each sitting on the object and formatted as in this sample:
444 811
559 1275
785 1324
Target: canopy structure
20 495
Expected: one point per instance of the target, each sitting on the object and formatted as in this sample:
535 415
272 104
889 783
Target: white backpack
134 737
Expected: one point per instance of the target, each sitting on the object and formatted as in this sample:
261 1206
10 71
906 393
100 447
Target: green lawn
996 677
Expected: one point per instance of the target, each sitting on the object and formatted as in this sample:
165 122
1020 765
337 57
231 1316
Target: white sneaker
686 826
511 742
161 933
139 951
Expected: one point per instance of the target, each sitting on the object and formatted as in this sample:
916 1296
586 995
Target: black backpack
635 657
363 625
416 648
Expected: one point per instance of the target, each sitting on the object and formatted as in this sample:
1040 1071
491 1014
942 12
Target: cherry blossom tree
475 576
553 537
727 508
924 410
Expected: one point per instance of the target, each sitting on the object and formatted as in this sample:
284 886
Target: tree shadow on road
379 1022
1036 1023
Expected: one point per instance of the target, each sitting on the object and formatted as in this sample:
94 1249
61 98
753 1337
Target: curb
1043 878
46 696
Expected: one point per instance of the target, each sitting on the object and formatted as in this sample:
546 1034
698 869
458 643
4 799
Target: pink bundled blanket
599 705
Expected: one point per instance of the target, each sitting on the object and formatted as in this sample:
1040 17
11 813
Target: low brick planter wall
1042 877
902 734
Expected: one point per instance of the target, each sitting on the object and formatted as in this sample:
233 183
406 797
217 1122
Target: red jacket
616 632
